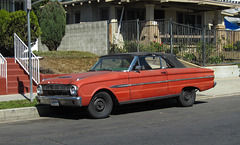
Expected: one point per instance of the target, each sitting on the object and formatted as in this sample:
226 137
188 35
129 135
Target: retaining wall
227 71
91 37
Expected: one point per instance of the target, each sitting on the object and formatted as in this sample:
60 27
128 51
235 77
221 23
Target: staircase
18 79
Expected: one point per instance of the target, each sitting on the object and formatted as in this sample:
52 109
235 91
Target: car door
150 80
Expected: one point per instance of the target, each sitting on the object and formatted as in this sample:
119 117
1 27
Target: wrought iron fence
22 57
198 45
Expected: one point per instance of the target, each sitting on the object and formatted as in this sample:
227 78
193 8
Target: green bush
175 50
130 46
229 47
190 56
215 59
16 22
237 45
53 24
209 49
3 16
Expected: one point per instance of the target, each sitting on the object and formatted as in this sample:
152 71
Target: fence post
137 35
171 41
203 47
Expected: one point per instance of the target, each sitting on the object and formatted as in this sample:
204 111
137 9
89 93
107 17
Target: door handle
164 72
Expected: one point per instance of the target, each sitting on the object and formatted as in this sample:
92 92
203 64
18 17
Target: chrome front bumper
60 101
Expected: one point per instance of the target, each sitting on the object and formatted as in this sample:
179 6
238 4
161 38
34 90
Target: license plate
54 102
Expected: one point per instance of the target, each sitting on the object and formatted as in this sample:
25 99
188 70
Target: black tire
187 97
100 106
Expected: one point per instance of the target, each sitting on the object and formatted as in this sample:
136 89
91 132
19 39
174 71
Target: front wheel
100 106
187 97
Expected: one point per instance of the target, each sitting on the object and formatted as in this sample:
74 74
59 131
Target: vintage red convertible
126 78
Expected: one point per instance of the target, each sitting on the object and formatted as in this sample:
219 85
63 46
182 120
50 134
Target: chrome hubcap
99 104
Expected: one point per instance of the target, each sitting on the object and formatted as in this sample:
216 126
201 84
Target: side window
153 62
164 64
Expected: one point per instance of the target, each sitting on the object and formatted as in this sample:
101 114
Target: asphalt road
209 122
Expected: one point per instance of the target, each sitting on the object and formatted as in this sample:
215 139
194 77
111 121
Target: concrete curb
17 114
24 113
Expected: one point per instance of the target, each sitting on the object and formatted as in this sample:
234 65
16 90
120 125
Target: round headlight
73 90
39 90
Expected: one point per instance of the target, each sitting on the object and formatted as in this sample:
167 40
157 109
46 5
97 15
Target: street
214 121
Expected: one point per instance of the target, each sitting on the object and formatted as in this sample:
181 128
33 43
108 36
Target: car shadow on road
77 113
148 106
73 113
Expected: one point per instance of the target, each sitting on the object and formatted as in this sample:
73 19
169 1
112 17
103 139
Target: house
196 13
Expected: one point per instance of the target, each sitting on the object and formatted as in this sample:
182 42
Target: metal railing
3 69
22 57
199 45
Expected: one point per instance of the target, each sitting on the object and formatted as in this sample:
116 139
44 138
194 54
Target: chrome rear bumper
60 101
215 83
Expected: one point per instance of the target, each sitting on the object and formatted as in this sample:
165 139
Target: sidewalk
16 97
226 86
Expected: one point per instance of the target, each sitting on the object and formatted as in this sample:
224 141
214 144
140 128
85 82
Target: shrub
130 46
3 16
190 56
209 49
229 47
215 59
237 45
53 24
16 22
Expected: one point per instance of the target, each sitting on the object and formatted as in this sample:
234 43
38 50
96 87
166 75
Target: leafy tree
3 16
53 24
16 22
36 8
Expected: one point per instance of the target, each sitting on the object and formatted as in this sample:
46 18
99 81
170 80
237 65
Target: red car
126 78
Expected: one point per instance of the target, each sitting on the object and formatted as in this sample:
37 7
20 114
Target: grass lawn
60 62
17 104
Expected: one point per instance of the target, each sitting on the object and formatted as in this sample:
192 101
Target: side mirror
138 68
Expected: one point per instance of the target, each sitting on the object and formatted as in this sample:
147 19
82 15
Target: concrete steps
18 79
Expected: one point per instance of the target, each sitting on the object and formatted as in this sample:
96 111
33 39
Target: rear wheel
187 97
100 106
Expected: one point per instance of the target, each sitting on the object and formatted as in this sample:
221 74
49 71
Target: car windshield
114 63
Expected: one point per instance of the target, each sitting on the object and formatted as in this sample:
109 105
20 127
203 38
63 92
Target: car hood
67 79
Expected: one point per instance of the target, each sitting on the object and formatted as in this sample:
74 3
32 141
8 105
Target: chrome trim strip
57 97
157 82
149 99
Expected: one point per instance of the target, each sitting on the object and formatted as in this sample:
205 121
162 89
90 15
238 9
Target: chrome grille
56 89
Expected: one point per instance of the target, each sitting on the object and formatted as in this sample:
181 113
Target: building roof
196 5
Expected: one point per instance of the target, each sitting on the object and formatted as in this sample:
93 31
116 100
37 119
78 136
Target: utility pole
29 7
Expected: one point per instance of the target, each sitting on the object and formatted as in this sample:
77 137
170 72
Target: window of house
191 19
77 17
159 14
104 14
68 18
18 6
140 14
136 14
130 15
119 13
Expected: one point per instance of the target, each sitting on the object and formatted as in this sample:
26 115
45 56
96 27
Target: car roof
171 58
135 54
